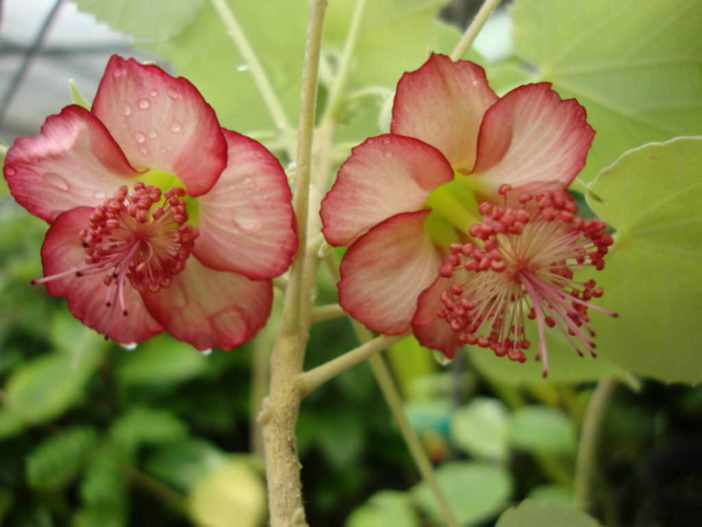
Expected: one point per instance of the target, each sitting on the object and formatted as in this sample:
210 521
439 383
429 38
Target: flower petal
209 308
86 295
161 122
443 103
532 136
246 221
431 331
384 176
383 273
73 162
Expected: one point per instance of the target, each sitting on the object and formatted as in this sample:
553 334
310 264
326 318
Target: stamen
134 245
519 263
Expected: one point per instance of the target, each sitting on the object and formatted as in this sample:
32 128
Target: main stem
280 408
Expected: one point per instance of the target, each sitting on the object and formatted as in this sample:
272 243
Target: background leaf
542 430
652 196
529 513
636 66
152 20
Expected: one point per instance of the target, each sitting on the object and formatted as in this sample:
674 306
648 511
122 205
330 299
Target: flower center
453 208
520 265
128 239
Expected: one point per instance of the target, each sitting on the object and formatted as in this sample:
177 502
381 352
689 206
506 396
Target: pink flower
159 219
458 223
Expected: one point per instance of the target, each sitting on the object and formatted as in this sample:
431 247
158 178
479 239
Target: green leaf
76 96
69 336
6 500
57 461
480 428
232 491
553 494
149 426
44 388
161 361
384 508
475 491
10 423
152 21
183 463
635 66
652 196
529 513
542 430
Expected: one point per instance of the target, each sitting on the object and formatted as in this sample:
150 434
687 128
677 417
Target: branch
473 29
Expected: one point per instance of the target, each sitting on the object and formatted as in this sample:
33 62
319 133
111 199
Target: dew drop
153 133
144 104
130 346
140 137
98 194
153 93
245 216
242 67
173 93
9 171
386 140
175 126
118 72
56 181
387 154
207 352
144 150
441 359
127 110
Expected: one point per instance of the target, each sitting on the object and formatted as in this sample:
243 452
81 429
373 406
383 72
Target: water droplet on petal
153 133
9 171
245 216
127 110
207 352
139 137
56 181
441 359
173 93
144 104
387 154
118 72
130 346
175 127
144 150
386 140
98 194
242 67
153 93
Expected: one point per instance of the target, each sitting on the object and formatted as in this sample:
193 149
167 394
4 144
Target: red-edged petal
383 273
531 136
246 221
385 176
209 308
431 331
86 295
73 162
443 103
161 122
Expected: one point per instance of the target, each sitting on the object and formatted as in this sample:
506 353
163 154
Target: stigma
520 265
138 239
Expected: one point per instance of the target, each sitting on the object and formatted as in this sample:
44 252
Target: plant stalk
474 28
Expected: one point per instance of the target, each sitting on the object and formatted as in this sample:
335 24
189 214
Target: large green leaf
543 430
152 20
480 428
387 507
529 513
652 196
635 66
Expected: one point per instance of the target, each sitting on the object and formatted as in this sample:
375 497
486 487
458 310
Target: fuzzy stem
589 436
328 312
473 29
337 89
280 408
265 88
314 378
